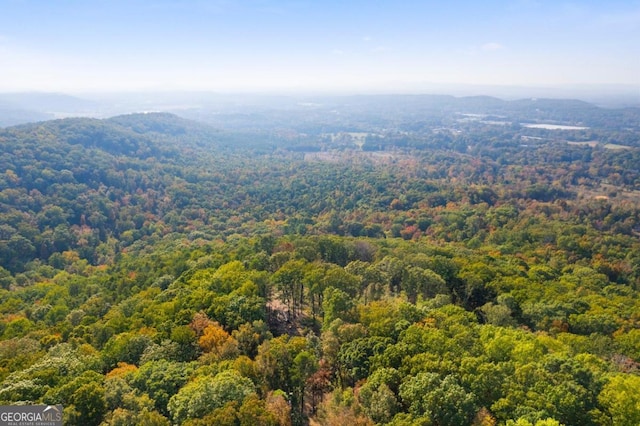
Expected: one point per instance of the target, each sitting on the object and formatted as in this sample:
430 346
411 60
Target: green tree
442 401
250 335
304 366
205 394
417 281
161 380
289 282
88 405
125 347
185 337
380 403
336 304
354 357
253 411
621 399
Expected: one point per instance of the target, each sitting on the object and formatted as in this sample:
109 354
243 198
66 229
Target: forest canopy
376 269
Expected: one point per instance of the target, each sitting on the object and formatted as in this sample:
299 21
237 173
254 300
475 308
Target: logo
30 415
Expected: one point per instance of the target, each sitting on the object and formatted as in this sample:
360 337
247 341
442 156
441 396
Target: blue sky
268 45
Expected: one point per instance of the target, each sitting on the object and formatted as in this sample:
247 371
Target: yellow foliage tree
217 341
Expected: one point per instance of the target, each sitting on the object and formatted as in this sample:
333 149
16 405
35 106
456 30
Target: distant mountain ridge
20 108
47 102
242 111
11 116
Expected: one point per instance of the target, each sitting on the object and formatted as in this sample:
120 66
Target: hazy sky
226 45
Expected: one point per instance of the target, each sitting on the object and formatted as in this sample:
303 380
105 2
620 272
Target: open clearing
593 144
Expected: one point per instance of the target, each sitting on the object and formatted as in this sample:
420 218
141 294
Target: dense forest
426 263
